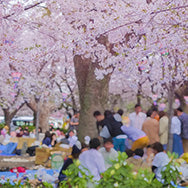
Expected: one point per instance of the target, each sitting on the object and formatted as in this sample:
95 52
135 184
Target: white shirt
176 126
160 161
94 162
136 120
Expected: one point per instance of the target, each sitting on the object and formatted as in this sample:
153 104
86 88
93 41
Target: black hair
107 113
76 112
40 130
84 145
94 143
161 114
149 112
158 147
179 109
96 113
139 152
75 152
129 152
108 140
120 112
47 134
52 135
137 105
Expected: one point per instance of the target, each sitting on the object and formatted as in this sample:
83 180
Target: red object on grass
18 169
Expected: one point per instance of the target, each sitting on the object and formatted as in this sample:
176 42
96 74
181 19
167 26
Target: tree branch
25 9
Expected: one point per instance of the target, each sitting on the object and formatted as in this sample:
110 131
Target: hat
6 127
87 140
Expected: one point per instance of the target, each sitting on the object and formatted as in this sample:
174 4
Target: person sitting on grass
108 152
47 139
74 155
92 160
137 161
160 160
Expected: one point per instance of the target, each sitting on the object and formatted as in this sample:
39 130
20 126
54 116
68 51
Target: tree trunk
170 115
93 95
9 115
44 113
138 95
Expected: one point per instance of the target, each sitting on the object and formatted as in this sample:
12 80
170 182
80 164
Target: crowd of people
146 128
144 139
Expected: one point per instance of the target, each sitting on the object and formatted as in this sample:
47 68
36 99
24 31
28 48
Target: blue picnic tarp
8 149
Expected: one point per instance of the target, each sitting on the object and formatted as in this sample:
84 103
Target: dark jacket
113 126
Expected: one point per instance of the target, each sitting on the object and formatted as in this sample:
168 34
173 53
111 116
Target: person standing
74 122
151 127
100 120
137 118
184 128
163 129
176 131
119 140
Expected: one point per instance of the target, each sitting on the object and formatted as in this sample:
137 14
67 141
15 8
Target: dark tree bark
170 115
93 95
9 114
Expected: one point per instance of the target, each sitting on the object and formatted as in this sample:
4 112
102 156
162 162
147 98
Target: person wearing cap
74 155
108 152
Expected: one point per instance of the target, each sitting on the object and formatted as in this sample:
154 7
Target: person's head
84 147
179 111
175 112
108 144
120 112
6 128
107 113
53 136
94 143
21 131
161 114
47 134
76 114
129 152
153 114
26 128
39 130
137 108
71 133
98 115
139 152
148 113
157 147
75 152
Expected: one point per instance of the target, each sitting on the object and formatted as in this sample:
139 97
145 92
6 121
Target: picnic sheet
48 175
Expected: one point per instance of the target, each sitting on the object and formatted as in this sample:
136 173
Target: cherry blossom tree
100 37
